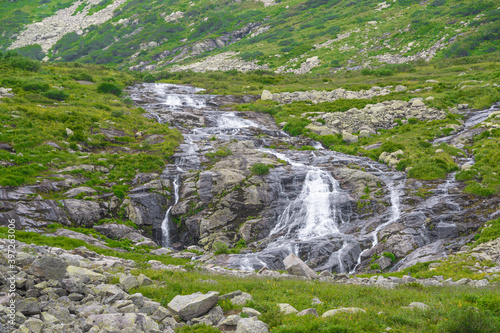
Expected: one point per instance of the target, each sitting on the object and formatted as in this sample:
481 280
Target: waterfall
315 212
165 225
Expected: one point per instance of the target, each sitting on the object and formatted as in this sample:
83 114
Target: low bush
109 88
56 94
260 169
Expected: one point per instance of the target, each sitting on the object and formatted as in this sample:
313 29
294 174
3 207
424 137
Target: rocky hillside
247 35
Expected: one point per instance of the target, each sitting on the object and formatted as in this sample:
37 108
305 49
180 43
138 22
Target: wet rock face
333 211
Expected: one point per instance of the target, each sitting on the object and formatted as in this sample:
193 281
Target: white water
394 215
165 225
315 212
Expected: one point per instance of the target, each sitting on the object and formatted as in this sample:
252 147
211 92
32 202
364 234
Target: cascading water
314 210
167 221
315 213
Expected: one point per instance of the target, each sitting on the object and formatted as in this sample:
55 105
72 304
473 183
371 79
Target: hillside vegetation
62 115
344 34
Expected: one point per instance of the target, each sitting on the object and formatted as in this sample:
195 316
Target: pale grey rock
194 305
48 267
128 282
83 213
310 312
266 95
286 308
251 325
295 266
88 275
331 313
250 312
241 299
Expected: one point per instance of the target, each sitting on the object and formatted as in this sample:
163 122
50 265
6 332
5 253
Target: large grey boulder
294 265
114 231
82 212
128 282
28 306
49 267
251 325
84 274
194 305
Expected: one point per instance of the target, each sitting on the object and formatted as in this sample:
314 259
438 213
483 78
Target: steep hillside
284 36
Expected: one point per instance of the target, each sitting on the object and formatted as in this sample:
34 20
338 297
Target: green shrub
470 320
83 77
260 169
490 231
390 255
220 248
31 51
56 94
109 88
24 63
38 86
374 266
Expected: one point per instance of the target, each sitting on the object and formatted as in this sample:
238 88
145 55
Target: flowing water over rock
308 204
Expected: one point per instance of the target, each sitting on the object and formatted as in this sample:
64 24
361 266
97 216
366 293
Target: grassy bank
83 110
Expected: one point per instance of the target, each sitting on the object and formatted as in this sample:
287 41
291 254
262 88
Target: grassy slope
294 30
452 309
30 119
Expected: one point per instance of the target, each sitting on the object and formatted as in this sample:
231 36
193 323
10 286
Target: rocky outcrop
6 92
47 32
373 117
221 62
304 68
329 96
426 55
82 212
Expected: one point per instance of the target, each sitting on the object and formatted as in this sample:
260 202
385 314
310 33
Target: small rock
418 305
128 282
143 280
266 95
340 310
241 299
306 312
286 308
251 325
251 312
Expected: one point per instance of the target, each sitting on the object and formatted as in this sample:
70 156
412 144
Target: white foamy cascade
165 225
315 212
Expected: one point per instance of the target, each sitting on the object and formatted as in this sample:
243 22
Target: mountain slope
151 35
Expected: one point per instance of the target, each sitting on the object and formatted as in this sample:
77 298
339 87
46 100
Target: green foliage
56 94
490 231
260 169
390 255
109 88
24 63
470 320
220 153
31 51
